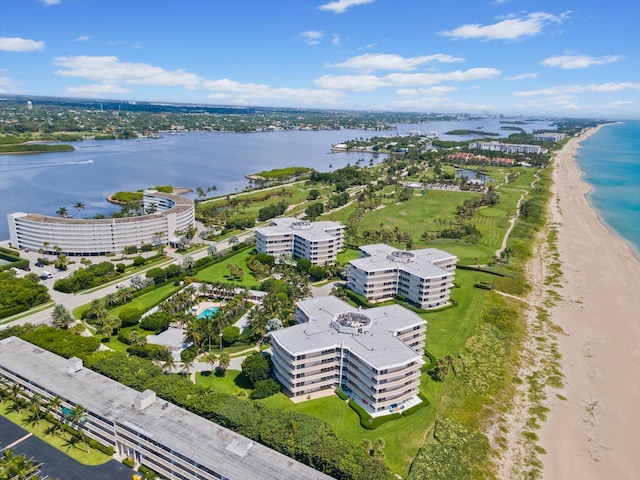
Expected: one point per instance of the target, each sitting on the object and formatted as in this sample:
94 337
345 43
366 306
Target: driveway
55 464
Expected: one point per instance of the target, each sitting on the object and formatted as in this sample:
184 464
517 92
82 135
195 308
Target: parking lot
55 464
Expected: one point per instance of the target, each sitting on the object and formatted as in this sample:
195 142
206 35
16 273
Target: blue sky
536 57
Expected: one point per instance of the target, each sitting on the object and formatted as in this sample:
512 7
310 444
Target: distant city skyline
564 58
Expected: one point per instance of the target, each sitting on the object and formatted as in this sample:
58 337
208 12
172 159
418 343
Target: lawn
230 383
447 331
219 272
75 449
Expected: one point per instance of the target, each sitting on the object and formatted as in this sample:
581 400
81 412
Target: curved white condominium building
81 237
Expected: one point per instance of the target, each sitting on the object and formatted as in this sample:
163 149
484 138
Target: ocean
610 160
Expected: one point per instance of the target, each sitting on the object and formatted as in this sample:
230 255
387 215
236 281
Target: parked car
39 264
120 285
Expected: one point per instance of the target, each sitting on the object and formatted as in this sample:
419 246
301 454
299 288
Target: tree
256 367
79 206
314 210
225 361
62 318
313 195
230 334
62 212
212 250
62 262
78 418
211 358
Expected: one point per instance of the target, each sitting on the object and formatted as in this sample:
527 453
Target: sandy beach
595 432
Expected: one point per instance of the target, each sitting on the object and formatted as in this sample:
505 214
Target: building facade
85 237
549 137
424 277
506 147
175 443
318 242
374 355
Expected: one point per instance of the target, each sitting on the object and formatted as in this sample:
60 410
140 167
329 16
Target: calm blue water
42 183
610 160
209 312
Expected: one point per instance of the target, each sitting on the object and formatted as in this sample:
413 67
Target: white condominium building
506 147
549 137
374 355
83 237
174 442
318 242
424 277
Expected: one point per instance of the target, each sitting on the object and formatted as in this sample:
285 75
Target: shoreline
592 425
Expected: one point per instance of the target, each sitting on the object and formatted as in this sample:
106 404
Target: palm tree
79 206
225 361
62 262
211 358
35 406
78 418
169 364
61 316
62 212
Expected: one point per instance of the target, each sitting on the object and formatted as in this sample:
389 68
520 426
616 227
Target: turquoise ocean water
610 160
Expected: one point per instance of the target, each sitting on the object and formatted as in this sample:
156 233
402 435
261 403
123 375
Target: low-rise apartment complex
374 355
318 242
423 277
173 442
84 237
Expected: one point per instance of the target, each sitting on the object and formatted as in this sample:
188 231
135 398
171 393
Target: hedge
367 421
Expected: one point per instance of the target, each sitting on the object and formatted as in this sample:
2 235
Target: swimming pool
209 312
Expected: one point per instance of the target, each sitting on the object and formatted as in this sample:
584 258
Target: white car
120 285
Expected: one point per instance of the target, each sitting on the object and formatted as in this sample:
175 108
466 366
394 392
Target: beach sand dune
595 433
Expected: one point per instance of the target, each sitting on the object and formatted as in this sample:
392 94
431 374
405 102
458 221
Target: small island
472 132
280 174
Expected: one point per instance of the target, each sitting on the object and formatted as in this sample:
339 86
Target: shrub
138 261
341 394
130 316
265 388
230 334
156 322
129 462
189 354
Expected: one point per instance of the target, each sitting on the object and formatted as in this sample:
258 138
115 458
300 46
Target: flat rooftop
307 230
209 444
378 346
421 262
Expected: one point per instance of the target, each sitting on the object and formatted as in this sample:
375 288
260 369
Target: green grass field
220 273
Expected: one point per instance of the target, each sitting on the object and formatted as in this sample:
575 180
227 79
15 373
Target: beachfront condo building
318 242
549 137
373 355
506 147
172 441
424 277
85 237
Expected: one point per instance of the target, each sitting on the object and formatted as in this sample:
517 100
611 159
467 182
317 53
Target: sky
575 58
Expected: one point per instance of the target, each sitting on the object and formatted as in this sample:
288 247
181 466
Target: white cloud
576 89
134 45
568 62
83 38
98 90
110 70
381 61
341 6
48 3
7 84
17 44
336 39
431 91
523 76
245 92
512 28
312 37
371 82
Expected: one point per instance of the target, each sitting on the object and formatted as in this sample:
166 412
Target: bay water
42 183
